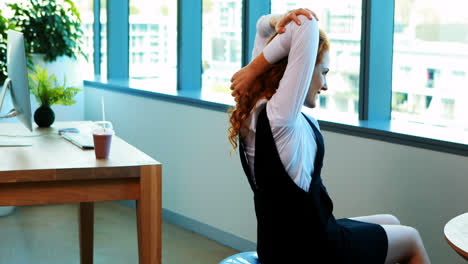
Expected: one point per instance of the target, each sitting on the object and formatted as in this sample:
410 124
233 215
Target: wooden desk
456 234
55 171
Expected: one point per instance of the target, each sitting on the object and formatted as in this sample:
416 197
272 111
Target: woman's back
289 218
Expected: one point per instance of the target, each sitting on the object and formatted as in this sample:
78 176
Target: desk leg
86 213
149 215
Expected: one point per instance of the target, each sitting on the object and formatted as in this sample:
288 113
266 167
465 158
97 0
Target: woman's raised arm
300 44
266 26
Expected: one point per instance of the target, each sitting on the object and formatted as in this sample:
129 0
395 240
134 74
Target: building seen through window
221 43
86 9
430 56
341 20
153 41
103 25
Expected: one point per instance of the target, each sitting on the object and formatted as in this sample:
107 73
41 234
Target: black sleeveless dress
295 226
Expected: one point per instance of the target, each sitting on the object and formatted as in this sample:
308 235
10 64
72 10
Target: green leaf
48 91
51 28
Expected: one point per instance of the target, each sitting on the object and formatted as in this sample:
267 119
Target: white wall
200 181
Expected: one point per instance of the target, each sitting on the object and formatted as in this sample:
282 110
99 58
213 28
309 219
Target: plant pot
44 116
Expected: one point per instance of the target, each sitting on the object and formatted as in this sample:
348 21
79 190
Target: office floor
49 234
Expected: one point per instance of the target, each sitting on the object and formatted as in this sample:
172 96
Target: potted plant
53 40
3 47
48 92
51 28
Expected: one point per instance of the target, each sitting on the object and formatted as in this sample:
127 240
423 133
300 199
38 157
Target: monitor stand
11 140
12 112
6 85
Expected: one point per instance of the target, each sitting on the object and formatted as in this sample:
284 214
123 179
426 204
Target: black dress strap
318 163
319 138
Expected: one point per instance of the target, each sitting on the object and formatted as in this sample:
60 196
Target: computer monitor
17 81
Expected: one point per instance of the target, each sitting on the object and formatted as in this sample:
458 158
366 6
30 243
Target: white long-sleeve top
294 138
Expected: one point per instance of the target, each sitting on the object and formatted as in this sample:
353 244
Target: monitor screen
17 73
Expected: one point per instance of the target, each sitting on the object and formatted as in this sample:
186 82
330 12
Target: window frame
118 39
189 57
375 81
375 88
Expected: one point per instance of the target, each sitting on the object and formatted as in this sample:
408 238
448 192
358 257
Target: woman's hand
242 80
280 22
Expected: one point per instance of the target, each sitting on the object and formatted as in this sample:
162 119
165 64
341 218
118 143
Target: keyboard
83 141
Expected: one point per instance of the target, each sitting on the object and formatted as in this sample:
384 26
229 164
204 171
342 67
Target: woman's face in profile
319 81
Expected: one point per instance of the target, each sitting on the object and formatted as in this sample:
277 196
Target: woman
282 153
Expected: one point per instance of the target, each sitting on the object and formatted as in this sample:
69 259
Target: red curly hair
265 86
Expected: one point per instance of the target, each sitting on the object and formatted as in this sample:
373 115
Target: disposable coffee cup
102 136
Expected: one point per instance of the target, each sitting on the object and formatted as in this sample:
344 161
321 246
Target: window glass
153 41
221 43
430 82
341 20
103 21
86 9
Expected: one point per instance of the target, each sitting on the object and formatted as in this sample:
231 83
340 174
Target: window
423 90
235 52
103 18
432 75
218 50
152 24
221 42
429 63
86 9
341 20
